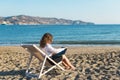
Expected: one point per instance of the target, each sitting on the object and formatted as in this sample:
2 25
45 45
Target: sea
63 35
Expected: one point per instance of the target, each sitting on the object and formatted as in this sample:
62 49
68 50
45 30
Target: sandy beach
92 63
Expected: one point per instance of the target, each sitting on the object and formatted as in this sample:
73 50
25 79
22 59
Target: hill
31 20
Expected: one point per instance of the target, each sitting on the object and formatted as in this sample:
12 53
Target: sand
92 63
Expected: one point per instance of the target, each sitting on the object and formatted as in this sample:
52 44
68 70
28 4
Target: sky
96 11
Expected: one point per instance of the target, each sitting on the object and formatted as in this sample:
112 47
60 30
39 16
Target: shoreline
82 49
91 62
68 45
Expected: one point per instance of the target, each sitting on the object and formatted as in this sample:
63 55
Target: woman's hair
45 38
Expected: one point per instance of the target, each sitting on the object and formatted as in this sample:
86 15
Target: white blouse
49 50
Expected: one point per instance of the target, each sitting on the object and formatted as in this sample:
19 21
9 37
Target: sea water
63 34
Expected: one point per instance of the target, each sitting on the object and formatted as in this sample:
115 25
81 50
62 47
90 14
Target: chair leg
41 71
60 66
28 64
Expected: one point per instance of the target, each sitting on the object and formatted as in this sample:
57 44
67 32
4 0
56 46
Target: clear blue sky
97 11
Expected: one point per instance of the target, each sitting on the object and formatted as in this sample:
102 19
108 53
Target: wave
87 42
95 42
80 42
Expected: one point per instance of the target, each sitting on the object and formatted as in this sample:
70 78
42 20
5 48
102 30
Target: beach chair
43 59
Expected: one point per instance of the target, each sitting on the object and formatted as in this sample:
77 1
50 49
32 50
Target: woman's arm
54 50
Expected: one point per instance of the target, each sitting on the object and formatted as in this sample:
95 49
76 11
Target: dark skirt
57 57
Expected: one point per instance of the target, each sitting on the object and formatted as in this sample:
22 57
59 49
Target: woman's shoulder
48 45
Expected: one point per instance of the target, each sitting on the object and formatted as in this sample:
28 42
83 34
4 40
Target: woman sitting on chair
56 54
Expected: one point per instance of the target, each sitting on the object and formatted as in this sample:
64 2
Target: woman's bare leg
67 62
66 66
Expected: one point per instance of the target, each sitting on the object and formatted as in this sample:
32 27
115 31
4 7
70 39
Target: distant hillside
30 20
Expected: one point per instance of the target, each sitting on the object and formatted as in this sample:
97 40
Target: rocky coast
92 63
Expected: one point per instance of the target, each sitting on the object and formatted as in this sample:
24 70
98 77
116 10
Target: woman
45 44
